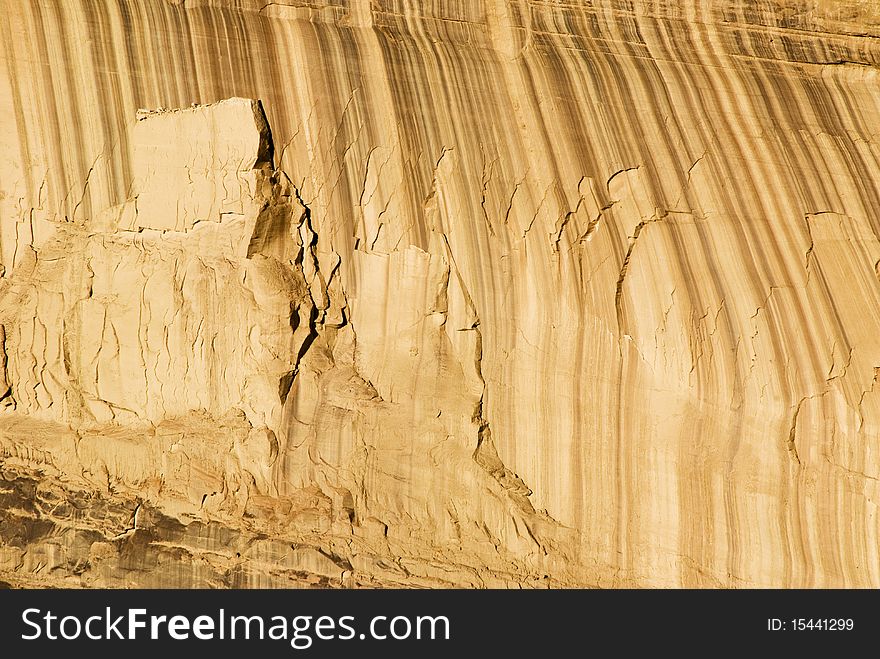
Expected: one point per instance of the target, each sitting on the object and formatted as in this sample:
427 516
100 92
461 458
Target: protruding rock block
209 317
198 164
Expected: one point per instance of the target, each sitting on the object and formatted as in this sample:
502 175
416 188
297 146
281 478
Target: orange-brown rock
498 293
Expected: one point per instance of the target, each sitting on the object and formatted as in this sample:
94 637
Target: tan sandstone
397 293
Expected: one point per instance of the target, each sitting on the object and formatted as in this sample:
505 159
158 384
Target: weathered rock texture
499 293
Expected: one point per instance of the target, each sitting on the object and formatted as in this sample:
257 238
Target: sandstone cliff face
500 293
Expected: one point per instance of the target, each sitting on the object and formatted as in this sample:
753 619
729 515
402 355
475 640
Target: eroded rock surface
499 293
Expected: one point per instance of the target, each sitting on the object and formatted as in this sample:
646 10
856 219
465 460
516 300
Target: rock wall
499 293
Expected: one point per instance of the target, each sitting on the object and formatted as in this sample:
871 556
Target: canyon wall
399 293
